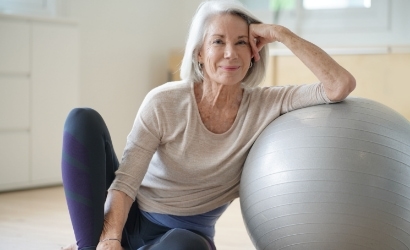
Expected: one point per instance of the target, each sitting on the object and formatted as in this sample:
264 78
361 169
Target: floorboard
38 220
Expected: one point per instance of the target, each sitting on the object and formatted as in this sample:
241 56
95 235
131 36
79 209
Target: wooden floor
38 220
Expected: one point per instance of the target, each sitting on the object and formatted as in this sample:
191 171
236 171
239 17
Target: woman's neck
218 105
218 96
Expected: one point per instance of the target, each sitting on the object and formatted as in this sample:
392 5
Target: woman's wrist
110 239
283 34
109 235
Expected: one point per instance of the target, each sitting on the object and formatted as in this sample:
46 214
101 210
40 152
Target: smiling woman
225 59
183 159
225 56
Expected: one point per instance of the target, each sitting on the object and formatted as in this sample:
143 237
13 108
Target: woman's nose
230 51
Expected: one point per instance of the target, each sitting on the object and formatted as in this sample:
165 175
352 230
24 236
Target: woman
183 158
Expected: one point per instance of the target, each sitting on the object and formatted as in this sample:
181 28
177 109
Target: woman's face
226 53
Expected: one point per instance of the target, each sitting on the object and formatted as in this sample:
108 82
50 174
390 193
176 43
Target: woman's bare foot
70 247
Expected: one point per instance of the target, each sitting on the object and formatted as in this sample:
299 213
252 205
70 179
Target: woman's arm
116 209
337 81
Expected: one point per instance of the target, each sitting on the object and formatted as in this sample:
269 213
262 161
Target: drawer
14 158
14 103
14 47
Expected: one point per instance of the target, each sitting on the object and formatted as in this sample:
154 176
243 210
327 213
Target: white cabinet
14 46
15 157
14 103
39 62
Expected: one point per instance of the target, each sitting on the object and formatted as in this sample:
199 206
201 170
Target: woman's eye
242 42
217 41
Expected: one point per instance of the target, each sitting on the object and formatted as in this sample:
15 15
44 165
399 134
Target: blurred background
59 54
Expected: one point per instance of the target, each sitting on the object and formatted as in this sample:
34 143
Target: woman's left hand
337 81
261 34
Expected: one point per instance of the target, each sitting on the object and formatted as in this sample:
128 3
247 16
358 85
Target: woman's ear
200 57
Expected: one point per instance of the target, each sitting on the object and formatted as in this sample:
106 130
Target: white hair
190 69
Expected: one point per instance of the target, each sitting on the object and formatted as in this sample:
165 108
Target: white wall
124 53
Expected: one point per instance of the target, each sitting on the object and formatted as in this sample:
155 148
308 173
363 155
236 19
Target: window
335 4
347 17
324 16
338 22
49 8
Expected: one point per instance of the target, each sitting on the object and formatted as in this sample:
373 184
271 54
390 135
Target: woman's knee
84 118
181 239
83 115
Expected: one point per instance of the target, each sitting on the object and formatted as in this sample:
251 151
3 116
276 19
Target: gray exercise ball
333 176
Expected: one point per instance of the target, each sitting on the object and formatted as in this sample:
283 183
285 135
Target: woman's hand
116 209
262 34
337 81
109 245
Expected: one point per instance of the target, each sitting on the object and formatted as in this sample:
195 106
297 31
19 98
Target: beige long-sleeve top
173 165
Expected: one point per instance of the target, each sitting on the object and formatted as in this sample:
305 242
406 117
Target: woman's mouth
230 68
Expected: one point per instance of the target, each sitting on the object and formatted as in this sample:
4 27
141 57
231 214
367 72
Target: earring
201 72
250 66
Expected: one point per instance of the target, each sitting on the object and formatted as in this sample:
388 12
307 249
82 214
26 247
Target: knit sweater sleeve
283 99
142 142
301 96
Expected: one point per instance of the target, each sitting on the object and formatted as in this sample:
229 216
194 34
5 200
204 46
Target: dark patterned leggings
88 168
